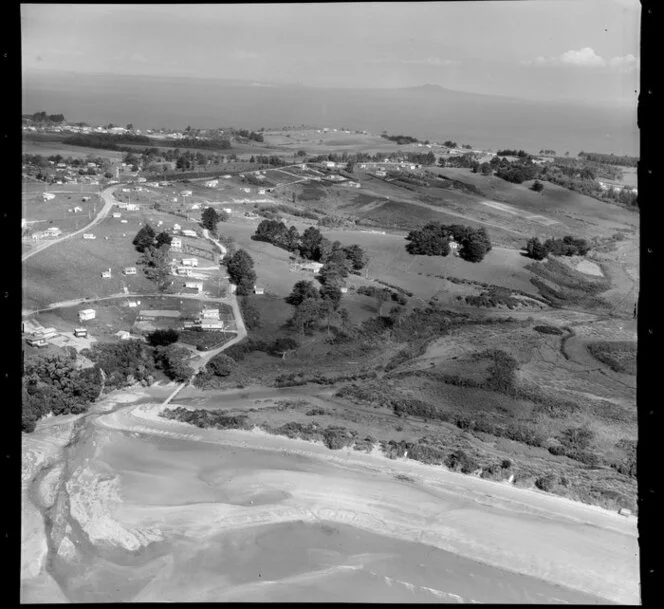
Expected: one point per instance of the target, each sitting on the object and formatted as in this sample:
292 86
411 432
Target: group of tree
42 117
450 144
56 384
310 245
461 161
401 139
567 246
548 152
434 238
249 135
610 159
509 152
155 259
517 172
240 267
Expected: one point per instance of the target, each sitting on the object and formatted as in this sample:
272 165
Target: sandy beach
155 510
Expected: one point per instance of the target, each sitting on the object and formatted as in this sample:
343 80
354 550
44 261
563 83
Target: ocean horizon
427 112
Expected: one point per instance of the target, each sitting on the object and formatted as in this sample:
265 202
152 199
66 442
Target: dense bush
459 460
206 418
546 483
54 384
162 338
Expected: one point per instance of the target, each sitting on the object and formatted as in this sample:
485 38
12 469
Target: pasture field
41 214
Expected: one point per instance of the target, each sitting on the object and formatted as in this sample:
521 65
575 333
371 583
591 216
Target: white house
247 190
117 215
233 288
259 290
184 270
212 324
130 270
227 177
176 243
77 209
228 210
123 335
132 303
177 227
86 314
53 231
89 236
212 183
123 221
81 332
261 191
190 262
195 206
186 193
343 290
187 232
106 274
132 207
329 164
454 248
311 266
210 314
48 196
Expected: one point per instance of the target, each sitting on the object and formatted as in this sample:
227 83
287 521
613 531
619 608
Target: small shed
130 270
86 314
259 290
81 332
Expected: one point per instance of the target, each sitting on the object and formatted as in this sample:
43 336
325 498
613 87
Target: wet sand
161 511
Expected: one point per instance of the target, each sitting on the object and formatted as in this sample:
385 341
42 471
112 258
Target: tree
535 249
301 291
156 266
537 186
221 365
162 338
144 238
241 272
173 361
309 243
332 293
250 314
475 245
357 256
350 167
284 345
162 239
209 219
307 314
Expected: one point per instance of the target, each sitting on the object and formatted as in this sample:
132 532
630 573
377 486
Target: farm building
133 303
106 274
233 288
89 236
81 332
343 290
132 207
149 314
210 314
46 333
123 335
247 190
122 205
261 191
48 196
53 231
123 222
190 262
212 324
117 215
186 193
184 271
195 206
130 270
259 290
311 266
454 248
86 314
177 227
36 342
227 177
194 285
176 243
77 209
187 232
329 164
228 210
212 183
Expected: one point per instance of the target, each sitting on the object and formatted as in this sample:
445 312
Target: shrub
459 460
161 338
546 483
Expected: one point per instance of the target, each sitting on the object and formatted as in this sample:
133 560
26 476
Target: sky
556 50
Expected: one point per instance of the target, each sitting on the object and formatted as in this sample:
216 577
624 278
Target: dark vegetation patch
544 329
494 297
204 341
620 356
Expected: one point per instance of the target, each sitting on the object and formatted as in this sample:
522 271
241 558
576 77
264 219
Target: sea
427 112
